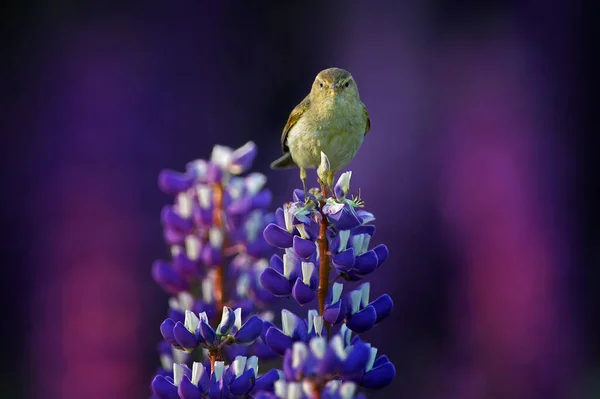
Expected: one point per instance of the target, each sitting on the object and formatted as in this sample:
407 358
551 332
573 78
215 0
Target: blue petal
275 283
172 182
302 293
166 329
344 260
210 255
334 314
214 173
265 382
277 341
382 253
250 331
169 279
280 217
276 263
243 384
362 321
201 216
379 377
303 248
240 206
383 307
277 237
184 337
187 390
298 195
163 388
368 229
185 266
262 200
170 218
242 158
357 359
365 263
265 328
207 332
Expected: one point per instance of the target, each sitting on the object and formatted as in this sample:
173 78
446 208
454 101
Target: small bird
331 119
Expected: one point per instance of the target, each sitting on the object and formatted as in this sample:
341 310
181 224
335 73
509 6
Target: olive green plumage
331 119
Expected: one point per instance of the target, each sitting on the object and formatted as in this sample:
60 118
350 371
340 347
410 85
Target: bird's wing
368 127
293 118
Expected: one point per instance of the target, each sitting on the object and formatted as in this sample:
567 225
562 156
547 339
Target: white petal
184 204
310 317
207 290
357 243
224 319
344 181
215 237
294 391
238 318
318 347
199 167
252 363
365 243
175 250
344 236
186 300
204 317
179 356
178 372
308 388
371 361
288 217
191 321
166 362
255 182
204 195
219 368
197 371
221 156
281 388
239 365
355 301
288 322
336 292
243 285
302 230
307 271
318 321
365 289
299 353
347 390
192 247
338 346
289 264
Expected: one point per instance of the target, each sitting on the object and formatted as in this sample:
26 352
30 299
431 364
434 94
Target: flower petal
357 359
344 260
335 313
379 377
168 278
171 182
382 253
184 337
250 331
265 382
362 321
163 388
365 263
303 248
187 390
277 236
243 384
277 341
383 307
275 283
207 332
302 293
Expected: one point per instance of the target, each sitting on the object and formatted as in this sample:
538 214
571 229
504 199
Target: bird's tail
284 162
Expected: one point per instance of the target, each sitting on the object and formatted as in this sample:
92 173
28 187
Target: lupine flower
294 329
196 331
238 380
359 314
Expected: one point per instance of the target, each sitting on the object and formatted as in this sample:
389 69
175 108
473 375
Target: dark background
479 166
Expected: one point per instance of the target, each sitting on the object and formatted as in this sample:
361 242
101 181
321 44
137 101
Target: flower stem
218 212
324 264
214 356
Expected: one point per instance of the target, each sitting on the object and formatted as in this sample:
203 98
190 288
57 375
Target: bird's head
334 83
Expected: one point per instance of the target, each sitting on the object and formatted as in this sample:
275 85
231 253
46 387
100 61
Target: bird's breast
337 131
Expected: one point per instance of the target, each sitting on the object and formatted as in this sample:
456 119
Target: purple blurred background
477 167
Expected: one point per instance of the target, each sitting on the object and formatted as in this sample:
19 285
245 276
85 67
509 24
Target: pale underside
337 133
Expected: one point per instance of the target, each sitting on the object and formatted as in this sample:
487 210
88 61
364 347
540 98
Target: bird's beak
334 88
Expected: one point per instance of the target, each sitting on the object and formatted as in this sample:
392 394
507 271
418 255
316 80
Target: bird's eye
321 84
347 84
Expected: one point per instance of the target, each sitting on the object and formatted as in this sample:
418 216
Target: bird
331 119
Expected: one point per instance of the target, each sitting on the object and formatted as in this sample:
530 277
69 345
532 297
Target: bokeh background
478 167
